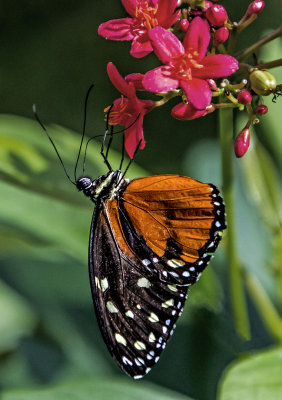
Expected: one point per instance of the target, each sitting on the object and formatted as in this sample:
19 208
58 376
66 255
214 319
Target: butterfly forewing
147 246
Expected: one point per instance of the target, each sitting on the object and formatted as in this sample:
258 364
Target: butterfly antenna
52 143
83 130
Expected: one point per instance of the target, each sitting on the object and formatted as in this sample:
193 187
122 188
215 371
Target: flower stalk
243 54
238 302
271 318
270 64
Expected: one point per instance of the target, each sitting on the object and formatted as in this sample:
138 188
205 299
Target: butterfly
150 240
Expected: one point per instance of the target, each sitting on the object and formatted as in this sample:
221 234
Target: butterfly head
107 185
84 184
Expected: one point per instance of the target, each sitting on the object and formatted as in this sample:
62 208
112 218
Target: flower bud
216 15
183 25
255 7
242 143
212 84
208 4
244 97
262 82
261 109
220 36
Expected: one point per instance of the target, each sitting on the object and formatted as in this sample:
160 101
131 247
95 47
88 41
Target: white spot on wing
120 339
146 262
104 284
126 361
97 282
175 263
173 288
129 314
168 303
139 345
111 307
143 282
153 317
152 337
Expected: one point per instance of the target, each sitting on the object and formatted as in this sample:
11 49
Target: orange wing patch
171 206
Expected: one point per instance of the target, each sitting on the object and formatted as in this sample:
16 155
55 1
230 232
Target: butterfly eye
84 184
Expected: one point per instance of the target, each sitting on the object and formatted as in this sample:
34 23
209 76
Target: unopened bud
216 15
183 25
212 84
262 82
261 109
242 143
208 4
244 97
220 36
255 7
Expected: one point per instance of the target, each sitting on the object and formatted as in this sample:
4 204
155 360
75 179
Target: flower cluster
188 37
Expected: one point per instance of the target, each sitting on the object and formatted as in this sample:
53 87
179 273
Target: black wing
135 307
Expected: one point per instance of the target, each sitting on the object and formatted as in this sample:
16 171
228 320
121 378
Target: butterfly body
150 239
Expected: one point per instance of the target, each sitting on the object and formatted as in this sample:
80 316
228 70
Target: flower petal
186 112
130 6
216 66
170 20
165 44
141 46
198 93
133 134
197 37
116 29
136 79
158 80
165 11
119 82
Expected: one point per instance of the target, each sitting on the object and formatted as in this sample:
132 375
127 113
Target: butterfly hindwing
136 311
147 246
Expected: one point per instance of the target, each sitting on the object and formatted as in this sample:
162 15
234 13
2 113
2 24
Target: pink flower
128 111
185 65
146 14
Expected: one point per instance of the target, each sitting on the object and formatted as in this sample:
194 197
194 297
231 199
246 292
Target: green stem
238 302
225 105
270 64
271 318
246 52
232 39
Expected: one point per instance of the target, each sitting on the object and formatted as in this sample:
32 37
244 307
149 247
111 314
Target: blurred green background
50 55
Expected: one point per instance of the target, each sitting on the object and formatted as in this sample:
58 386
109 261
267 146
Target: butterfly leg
104 140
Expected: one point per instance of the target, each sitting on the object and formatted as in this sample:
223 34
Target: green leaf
17 318
257 377
99 390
